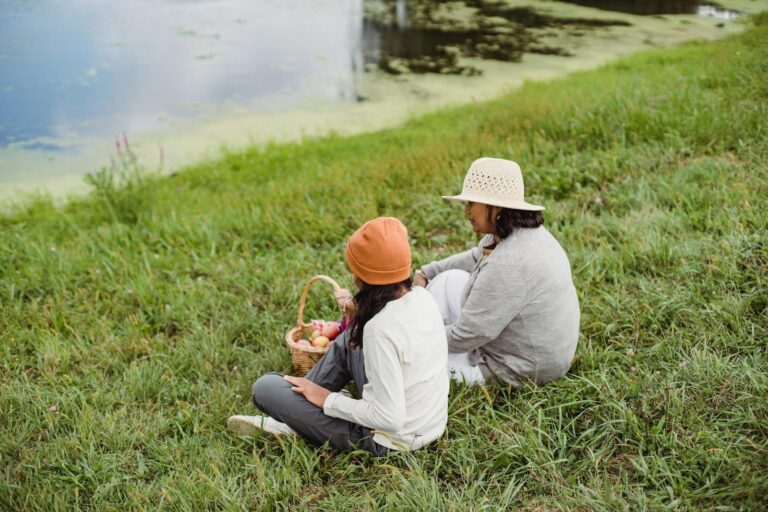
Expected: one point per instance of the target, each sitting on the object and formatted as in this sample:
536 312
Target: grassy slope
144 314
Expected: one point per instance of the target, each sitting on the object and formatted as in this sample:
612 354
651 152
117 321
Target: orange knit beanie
379 253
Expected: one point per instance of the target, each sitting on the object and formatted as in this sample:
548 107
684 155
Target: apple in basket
303 343
320 342
331 330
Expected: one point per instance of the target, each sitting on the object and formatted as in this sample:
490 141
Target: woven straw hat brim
496 201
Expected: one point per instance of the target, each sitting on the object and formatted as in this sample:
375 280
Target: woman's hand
346 302
420 279
315 394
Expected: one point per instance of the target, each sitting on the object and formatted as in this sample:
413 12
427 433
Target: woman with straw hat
394 350
509 304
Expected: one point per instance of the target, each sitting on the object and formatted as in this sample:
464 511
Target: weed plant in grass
130 335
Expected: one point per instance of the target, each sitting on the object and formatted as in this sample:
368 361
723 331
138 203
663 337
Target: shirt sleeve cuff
428 271
340 406
452 348
328 404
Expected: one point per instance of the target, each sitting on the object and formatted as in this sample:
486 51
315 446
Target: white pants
446 288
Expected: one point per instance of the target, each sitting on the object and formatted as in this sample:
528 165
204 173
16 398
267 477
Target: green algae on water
434 37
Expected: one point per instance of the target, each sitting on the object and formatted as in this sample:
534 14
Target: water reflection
74 68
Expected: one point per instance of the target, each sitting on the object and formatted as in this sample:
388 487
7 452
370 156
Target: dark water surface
651 7
413 36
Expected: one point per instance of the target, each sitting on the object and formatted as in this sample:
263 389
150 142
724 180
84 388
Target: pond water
75 73
85 67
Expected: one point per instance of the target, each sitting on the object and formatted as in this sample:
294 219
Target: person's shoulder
537 250
533 233
546 241
421 301
382 332
522 248
522 239
417 294
374 331
385 319
411 309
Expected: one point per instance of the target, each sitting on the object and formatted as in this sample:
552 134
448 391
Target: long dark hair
369 301
509 220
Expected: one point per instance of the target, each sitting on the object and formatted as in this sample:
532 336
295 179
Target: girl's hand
420 279
346 302
315 394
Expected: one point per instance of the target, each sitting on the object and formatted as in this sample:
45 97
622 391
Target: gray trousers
341 364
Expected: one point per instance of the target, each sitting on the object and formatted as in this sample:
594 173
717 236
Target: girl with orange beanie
394 350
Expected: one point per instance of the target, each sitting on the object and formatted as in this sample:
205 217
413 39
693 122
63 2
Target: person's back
540 342
413 325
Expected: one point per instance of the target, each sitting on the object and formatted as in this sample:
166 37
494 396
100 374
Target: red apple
331 330
314 334
320 342
304 343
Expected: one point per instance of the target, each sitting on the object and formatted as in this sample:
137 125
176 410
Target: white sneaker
250 425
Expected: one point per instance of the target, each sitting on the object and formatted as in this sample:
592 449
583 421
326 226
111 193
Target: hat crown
494 177
495 182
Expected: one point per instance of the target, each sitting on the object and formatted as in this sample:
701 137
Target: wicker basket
304 358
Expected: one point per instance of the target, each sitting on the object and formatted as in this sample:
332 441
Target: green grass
134 321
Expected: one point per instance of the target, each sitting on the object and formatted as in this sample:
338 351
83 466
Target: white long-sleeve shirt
406 398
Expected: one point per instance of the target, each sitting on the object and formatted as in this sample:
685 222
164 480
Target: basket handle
303 299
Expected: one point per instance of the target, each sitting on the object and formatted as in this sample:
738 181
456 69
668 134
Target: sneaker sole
242 427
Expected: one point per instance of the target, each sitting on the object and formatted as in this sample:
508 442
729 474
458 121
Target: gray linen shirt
520 314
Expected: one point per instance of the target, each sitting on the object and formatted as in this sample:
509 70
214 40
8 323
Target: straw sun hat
496 182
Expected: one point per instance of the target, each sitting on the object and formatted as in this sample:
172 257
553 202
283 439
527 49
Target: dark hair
369 301
509 220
